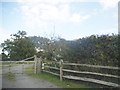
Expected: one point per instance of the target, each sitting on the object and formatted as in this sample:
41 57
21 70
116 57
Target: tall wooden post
61 72
35 65
39 65
22 67
9 67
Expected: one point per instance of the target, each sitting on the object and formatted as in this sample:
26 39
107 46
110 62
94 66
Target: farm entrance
13 72
17 67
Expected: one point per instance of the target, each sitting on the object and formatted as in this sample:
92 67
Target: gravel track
22 80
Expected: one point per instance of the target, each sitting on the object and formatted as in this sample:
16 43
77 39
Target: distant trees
94 49
98 50
18 47
51 49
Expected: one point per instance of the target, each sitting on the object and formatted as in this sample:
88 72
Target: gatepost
61 72
35 65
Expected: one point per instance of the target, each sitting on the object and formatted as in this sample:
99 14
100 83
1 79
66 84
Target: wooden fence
103 75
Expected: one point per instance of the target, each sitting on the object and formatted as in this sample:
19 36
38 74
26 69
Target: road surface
22 80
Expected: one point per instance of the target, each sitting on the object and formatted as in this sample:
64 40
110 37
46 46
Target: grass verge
55 80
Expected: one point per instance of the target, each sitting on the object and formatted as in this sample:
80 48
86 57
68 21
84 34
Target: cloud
40 13
78 18
50 1
43 12
108 4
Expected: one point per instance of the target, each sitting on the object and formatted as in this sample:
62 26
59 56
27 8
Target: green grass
55 80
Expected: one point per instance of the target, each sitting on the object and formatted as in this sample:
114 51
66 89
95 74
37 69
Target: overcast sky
69 19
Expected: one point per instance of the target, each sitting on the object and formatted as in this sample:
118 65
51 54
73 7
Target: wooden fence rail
94 66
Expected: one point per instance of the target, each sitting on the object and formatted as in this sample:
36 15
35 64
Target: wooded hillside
94 49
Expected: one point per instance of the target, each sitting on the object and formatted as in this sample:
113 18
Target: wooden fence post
35 66
10 67
23 67
61 72
39 65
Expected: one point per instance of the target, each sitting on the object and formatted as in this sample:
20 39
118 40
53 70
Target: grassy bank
55 80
